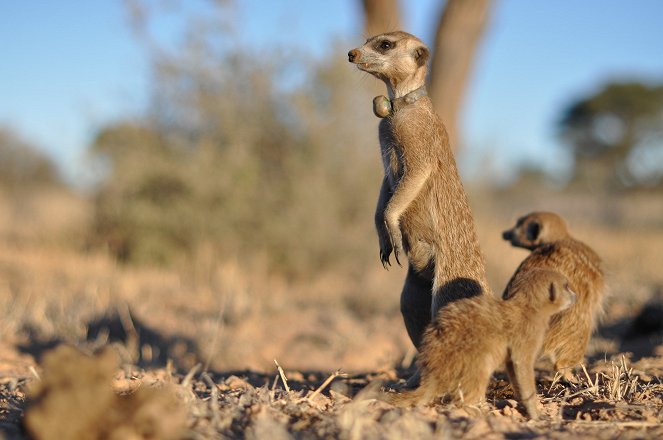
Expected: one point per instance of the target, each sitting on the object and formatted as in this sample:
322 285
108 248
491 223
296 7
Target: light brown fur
422 209
546 235
472 337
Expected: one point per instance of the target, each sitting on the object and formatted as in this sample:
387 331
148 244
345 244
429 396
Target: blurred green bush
237 155
23 166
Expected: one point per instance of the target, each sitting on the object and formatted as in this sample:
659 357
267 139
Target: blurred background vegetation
235 157
227 159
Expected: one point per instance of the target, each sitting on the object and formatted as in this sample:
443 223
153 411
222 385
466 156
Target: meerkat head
397 58
548 289
536 229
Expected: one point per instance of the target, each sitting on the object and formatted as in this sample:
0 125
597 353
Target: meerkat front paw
384 241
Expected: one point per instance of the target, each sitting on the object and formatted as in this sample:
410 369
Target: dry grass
213 327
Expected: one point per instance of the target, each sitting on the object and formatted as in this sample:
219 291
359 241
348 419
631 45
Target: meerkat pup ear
421 55
552 291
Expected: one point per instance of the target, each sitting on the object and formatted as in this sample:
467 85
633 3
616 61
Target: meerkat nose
507 235
352 55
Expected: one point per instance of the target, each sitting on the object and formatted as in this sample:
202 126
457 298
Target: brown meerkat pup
422 209
472 337
546 235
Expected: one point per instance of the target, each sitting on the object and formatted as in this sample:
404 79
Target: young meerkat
470 338
546 235
422 209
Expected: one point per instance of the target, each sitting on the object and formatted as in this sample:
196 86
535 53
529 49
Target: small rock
234 383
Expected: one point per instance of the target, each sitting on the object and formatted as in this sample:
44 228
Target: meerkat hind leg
508 365
453 290
416 304
568 362
568 372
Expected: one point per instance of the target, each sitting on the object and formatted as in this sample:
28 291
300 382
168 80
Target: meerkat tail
403 398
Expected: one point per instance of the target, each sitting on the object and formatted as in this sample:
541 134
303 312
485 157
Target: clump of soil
75 400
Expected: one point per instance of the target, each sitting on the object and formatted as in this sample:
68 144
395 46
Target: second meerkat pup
546 235
470 338
422 209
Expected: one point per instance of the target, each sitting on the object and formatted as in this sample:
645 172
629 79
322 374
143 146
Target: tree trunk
381 16
459 31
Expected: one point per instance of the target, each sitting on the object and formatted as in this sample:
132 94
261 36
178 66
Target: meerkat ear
533 230
421 55
552 291
509 292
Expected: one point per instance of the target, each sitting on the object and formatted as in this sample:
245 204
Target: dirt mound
75 400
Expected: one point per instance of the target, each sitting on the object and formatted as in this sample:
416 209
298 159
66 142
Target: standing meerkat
546 235
422 209
470 338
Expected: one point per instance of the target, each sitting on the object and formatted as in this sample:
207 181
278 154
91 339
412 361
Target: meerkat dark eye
386 45
533 230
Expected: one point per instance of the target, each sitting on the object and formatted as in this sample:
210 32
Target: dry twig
327 381
283 378
187 379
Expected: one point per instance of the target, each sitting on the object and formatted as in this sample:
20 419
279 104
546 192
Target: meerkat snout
352 55
525 234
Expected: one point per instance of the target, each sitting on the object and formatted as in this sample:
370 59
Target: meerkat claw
396 252
384 258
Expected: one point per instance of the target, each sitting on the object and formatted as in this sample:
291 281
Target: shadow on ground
138 343
641 334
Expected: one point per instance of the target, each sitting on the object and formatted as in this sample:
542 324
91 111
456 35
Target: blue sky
67 68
